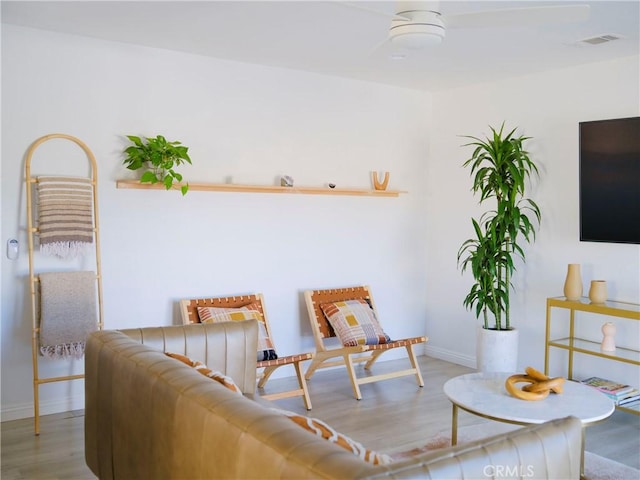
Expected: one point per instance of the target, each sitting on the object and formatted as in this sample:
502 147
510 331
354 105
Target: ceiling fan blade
519 17
363 7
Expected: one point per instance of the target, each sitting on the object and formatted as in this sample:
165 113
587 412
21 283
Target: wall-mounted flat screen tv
610 180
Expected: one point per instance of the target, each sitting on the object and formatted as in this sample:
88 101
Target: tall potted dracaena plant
500 168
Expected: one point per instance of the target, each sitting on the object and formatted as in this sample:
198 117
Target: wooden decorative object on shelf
538 388
377 184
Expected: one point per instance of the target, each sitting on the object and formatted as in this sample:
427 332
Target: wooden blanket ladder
32 233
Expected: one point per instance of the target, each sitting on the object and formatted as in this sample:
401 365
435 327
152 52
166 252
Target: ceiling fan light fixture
423 29
417 40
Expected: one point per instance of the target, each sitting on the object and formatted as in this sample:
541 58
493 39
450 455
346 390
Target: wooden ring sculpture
380 185
538 388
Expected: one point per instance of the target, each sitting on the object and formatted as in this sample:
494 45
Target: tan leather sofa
149 416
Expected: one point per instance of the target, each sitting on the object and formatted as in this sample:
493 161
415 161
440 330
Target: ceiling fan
418 24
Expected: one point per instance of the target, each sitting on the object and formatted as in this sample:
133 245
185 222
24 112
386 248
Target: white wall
255 123
248 122
547 107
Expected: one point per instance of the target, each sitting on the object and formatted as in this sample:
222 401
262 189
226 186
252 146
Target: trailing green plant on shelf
500 167
159 157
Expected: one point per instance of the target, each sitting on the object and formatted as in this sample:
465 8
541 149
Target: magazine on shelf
632 396
608 387
629 402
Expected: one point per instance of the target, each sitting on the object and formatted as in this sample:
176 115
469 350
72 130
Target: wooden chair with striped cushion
203 310
366 345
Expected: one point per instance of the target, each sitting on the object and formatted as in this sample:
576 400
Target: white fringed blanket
65 215
67 313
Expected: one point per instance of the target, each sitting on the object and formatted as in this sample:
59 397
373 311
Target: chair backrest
314 298
189 307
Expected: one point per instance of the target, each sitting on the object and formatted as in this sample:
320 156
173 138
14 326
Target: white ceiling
334 38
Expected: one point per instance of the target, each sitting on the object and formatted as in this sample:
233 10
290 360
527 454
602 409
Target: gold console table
574 344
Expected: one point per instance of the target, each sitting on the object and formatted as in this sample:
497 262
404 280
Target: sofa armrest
228 347
549 450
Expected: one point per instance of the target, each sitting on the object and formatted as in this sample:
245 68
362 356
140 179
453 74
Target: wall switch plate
13 249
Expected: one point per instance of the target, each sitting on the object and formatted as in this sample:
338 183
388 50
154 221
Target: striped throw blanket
65 215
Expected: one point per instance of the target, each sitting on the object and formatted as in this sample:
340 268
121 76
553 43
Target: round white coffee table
484 394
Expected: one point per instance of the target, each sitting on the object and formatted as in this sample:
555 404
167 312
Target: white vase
497 350
598 291
573 283
608 337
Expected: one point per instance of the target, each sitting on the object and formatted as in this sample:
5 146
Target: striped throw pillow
266 351
354 322
318 427
207 372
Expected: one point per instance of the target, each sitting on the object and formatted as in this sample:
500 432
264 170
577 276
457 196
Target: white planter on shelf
496 350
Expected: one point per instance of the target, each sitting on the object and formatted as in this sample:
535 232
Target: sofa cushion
355 323
266 351
207 372
321 429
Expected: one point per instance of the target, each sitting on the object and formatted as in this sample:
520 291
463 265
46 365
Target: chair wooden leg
414 364
265 376
314 365
352 376
303 385
374 356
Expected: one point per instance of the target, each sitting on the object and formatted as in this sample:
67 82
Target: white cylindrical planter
497 350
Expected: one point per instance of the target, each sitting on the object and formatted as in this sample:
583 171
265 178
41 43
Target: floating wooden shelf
230 187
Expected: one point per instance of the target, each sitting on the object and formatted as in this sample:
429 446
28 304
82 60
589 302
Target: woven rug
595 466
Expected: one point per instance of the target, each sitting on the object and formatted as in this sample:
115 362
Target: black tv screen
610 180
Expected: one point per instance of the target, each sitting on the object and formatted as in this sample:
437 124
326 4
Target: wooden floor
393 416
